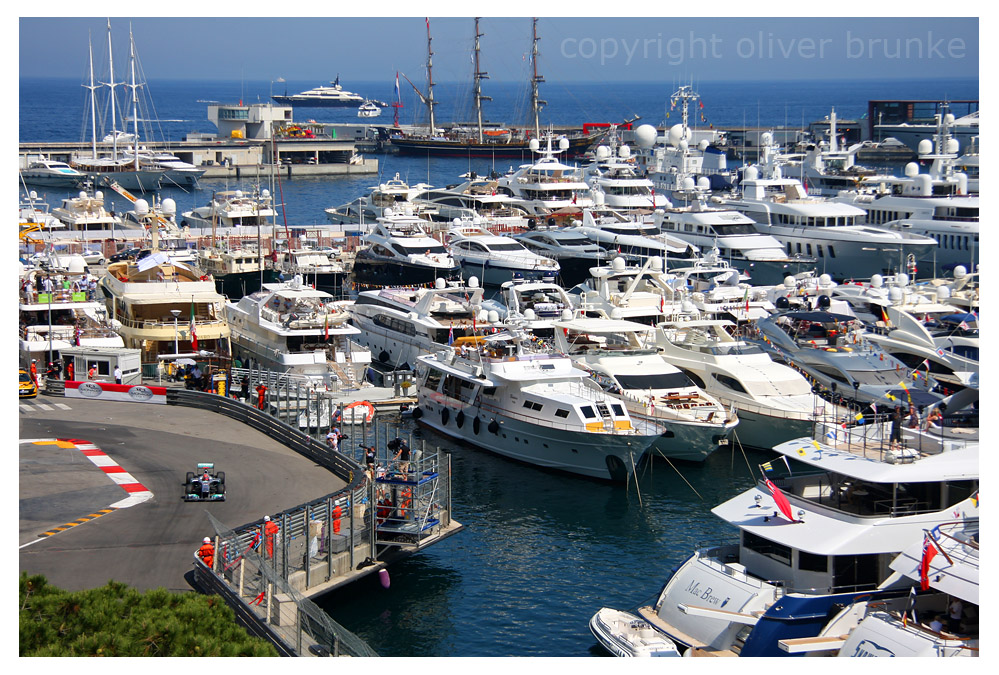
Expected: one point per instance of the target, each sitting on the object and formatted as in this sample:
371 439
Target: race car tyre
190 477
221 475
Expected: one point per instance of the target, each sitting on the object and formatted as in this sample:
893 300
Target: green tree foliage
116 620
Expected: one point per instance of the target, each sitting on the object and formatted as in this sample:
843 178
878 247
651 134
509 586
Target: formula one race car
205 485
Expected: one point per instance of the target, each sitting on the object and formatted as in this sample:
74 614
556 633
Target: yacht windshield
654 381
512 246
416 250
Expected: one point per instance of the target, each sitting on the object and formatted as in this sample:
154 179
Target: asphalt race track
150 544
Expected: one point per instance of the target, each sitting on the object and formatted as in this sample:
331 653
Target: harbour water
541 551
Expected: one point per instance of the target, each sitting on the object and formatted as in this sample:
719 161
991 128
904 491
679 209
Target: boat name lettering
694 588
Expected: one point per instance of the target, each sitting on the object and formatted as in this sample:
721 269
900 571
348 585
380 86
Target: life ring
476 423
493 427
459 419
445 415
370 409
417 413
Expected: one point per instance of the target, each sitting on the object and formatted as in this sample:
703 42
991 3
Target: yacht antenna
536 102
479 76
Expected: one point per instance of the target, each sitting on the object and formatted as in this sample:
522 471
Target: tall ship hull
468 148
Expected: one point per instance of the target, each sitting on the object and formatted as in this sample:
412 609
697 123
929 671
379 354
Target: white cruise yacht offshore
231 212
495 259
333 96
818 532
290 327
536 408
821 228
775 403
399 324
621 357
546 185
399 252
165 308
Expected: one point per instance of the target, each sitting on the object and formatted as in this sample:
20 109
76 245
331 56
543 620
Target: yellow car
26 387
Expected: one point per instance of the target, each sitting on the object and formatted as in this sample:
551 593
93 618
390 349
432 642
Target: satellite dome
925 147
675 135
533 145
265 193
618 264
687 183
493 316
168 206
953 146
943 294
766 138
603 152
877 281
960 272
440 283
912 169
563 143
141 207
473 282
703 144
752 173
903 279
948 118
239 194
657 264
704 183
895 294
825 279
683 145
530 315
624 152
789 281
645 136
567 315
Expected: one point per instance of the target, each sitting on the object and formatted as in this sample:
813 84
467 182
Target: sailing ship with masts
480 140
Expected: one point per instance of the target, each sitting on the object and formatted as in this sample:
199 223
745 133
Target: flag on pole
194 335
859 417
929 551
450 335
940 351
780 500
326 327
398 94
745 298
963 325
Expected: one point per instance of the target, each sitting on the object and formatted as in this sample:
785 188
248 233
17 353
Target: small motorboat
625 634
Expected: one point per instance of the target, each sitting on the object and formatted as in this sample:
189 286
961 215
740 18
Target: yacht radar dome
493 316
952 146
645 136
141 207
563 143
925 147
702 145
168 206
624 152
912 169
877 281
440 283
603 152
618 264
534 145
473 282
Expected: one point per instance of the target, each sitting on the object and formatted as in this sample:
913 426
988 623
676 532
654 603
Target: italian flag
194 335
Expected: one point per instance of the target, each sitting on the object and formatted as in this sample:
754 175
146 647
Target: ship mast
430 79
111 85
135 99
93 101
479 76
536 102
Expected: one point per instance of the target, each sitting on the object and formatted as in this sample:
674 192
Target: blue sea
541 551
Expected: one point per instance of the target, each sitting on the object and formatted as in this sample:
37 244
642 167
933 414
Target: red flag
326 327
929 551
194 336
780 500
701 103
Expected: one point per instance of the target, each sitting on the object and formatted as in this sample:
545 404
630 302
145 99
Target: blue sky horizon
578 49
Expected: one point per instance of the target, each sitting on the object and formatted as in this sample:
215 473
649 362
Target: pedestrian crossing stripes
79 521
35 406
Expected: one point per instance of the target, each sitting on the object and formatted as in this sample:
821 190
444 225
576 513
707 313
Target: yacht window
832 253
798 245
533 405
511 246
433 379
587 412
618 409
489 391
818 249
810 562
729 382
808 249
693 378
770 549
675 380
561 412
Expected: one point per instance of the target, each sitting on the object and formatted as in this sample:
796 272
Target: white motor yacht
85 217
811 226
774 402
51 173
818 532
368 109
293 328
475 198
574 252
495 259
622 357
232 212
613 173
533 407
759 256
399 324
911 614
546 185
635 240
835 352
394 195
333 96
399 252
